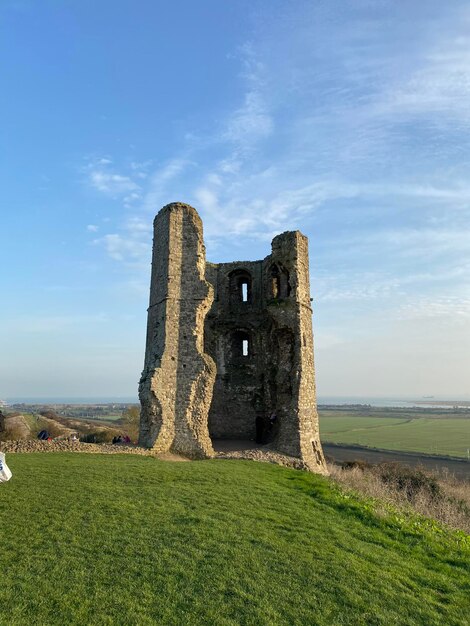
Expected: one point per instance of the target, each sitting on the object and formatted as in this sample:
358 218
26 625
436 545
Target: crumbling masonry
229 350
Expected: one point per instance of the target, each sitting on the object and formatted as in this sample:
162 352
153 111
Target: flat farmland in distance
438 434
111 417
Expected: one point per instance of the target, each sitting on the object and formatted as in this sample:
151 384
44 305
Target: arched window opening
275 282
287 287
280 285
241 344
240 283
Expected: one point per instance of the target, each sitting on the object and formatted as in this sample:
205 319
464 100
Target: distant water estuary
436 402
393 402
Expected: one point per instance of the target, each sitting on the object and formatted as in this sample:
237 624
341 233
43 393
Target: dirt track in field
339 453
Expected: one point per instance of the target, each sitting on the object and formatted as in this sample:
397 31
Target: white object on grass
5 473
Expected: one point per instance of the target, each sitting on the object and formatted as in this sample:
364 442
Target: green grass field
96 539
432 435
31 419
111 417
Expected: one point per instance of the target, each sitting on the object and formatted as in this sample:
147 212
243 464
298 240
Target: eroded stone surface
229 347
178 377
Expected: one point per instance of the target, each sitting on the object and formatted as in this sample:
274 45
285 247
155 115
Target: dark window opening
275 282
280 285
276 287
240 285
241 344
288 287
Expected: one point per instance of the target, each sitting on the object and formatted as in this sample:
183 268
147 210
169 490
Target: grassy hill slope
28 425
91 539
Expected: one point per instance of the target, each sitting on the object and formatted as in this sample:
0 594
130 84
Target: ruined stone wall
276 376
228 345
239 381
296 403
177 382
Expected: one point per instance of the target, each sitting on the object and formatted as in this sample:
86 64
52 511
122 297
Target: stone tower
176 385
229 346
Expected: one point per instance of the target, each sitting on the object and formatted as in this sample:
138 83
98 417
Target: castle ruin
229 351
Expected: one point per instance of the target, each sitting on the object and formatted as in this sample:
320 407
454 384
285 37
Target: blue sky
347 120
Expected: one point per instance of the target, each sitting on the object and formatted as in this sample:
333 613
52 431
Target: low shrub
440 496
13 433
412 482
359 464
54 430
99 436
131 422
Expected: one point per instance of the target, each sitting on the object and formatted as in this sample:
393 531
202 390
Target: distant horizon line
126 398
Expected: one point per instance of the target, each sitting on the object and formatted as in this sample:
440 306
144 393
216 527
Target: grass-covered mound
88 539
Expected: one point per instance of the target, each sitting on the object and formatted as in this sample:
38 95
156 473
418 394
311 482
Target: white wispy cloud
141 166
114 184
103 178
382 287
131 242
138 225
451 309
440 84
159 181
315 143
125 247
250 123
